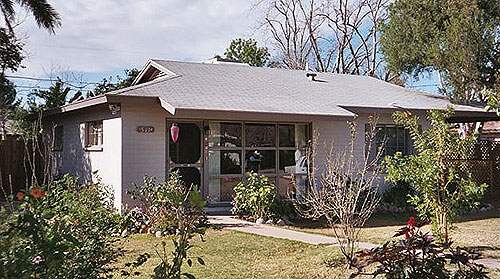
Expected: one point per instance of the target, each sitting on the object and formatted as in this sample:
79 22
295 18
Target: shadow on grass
385 219
482 249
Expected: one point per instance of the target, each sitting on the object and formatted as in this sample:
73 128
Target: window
231 153
58 134
393 139
93 134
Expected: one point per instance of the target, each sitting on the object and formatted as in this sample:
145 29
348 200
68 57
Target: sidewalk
232 223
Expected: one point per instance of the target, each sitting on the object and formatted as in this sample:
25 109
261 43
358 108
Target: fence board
11 164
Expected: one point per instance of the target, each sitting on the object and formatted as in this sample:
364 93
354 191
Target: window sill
94 148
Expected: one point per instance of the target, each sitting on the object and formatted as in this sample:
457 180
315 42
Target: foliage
183 206
418 255
398 194
443 187
134 221
492 100
11 51
458 38
55 97
44 14
62 231
107 85
347 194
247 51
256 198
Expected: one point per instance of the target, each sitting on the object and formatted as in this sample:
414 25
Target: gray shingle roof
253 89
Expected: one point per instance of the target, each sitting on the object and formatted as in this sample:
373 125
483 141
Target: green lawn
230 254
479 231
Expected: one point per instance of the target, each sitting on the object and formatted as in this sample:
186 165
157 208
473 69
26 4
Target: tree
7 101
347 194
247 51
492 100
457 38
107 85
55 97
332 36
45 15
443 186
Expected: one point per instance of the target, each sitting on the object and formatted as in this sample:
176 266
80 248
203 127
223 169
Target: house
491 131
223 113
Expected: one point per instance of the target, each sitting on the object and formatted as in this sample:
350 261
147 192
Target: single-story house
223 113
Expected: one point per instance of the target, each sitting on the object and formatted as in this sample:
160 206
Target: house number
145 129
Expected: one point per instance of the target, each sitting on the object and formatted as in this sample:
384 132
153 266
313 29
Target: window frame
89 145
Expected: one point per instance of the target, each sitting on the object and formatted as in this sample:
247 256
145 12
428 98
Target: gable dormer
151 71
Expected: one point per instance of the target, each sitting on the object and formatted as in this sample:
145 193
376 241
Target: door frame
200 164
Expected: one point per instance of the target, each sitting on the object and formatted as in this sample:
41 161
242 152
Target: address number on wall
145 129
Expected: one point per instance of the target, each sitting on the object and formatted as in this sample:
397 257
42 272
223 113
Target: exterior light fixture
174 132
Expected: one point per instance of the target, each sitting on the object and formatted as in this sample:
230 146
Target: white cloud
106 35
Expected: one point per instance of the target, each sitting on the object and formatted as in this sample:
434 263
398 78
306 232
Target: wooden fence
12 165
482 161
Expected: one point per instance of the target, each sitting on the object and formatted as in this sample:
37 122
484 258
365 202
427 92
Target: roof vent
311 76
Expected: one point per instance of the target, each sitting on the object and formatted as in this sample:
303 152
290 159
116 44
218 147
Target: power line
51 80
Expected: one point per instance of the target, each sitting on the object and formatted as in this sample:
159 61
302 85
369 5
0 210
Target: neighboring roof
491 128
229 87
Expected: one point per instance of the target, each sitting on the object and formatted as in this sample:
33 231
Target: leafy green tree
45 15
55 97
247 51
457 38
443 187
492 100
107 85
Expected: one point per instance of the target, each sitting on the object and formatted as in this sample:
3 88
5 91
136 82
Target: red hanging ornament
174 132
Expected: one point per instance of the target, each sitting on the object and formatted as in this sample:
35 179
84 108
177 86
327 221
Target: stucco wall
333 136
76 160
143 153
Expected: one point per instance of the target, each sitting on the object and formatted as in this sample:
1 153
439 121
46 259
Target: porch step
218 210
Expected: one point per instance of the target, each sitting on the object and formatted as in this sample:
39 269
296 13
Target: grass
479 231
230 254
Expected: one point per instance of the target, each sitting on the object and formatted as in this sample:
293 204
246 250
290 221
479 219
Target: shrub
418 255
399 195
256 198
182 206
62 231
134 221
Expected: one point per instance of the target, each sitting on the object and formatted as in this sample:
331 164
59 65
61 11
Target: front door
185 155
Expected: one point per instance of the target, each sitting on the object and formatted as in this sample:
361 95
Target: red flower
76 222
411 222
37 192
20 195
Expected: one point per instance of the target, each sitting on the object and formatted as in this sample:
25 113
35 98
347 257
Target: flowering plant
418 255
62 230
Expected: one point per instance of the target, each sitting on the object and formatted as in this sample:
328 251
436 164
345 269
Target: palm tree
45 15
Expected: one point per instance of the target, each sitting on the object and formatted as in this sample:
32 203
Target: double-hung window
93 134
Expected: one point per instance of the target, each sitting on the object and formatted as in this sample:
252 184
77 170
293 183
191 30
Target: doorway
186 155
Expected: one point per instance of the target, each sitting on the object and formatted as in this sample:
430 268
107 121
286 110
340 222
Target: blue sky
101 38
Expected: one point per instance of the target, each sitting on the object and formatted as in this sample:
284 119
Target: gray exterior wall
143 153
76 160
128 155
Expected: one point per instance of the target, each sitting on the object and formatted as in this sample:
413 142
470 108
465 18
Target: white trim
156 65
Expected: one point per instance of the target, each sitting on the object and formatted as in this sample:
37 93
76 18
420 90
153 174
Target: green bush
399 195
257 198
63 231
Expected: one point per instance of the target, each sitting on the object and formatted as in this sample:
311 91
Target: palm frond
45 15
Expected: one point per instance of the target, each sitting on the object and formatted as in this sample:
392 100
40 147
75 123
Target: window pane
287 162
224 162
220 189
287 135
224 134
391 136
301 135
187 149
264 162
260 135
